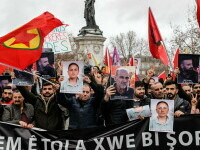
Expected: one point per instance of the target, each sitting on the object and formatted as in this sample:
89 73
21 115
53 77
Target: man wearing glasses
121 84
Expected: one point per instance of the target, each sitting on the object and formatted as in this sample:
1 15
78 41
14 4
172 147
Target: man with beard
19 112
140 99
44 67
48 114
140 102
4 80
187 72
123 91
181 106
7 96
3 83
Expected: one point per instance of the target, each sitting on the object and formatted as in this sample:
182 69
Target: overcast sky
112 16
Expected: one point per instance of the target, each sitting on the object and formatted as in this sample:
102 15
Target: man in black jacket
115 110
48 114
83 108
181 106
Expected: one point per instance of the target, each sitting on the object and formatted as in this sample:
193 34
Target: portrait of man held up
189 68
121 77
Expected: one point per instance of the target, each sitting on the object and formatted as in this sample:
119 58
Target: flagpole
27 72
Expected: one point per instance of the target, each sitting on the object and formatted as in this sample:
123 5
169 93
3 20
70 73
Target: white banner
58 40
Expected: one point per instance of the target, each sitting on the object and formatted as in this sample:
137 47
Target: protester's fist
61 78
109 92
178 113
30 126
56 86
36 76
87 79
151 72
23 124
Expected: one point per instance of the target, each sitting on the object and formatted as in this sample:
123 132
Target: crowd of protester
43 106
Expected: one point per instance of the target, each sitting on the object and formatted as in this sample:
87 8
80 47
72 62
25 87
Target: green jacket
48 115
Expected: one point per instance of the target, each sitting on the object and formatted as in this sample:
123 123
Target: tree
128 44
187 37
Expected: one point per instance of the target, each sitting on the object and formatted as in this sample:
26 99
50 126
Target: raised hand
87 79
98 78
194 100
109 92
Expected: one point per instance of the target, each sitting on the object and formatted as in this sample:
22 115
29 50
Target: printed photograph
4 80
22 78
73 77
137 64
189 68
123 79
162 118
45 65
135 113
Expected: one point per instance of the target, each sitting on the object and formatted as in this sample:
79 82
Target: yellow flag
96 62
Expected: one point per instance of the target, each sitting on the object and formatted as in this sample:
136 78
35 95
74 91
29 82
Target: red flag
107 58
162 76
23 46
2 69
198 11
131 61
175 61
156 46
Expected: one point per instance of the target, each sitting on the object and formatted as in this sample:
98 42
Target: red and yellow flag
23 46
